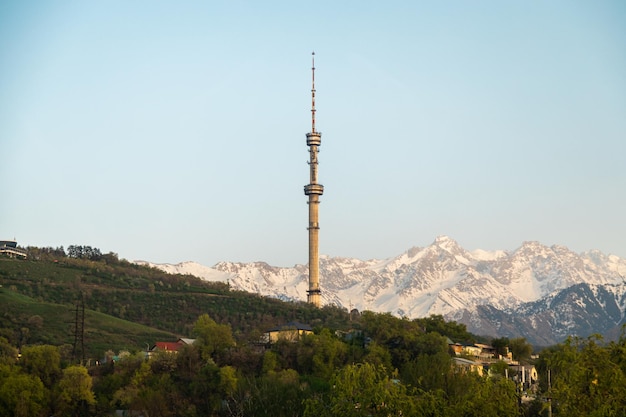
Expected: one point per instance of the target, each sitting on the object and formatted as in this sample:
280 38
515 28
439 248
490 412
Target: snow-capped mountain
539 292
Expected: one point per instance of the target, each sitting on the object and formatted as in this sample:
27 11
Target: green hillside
32 321
127 305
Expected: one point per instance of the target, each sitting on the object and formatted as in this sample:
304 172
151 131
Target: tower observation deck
313 190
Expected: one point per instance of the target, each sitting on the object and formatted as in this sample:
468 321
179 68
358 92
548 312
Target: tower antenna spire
313 93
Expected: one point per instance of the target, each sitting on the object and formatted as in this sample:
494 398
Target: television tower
313 190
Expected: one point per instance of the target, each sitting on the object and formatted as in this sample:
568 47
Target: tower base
314 297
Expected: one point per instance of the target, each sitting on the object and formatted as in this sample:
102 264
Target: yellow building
291 331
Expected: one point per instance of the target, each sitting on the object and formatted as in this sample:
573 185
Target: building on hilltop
9 248
170 347
291 331
480 351
167 346
467 365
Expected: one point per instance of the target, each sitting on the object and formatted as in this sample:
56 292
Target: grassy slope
102 332
117 293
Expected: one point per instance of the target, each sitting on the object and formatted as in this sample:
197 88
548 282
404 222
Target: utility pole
549 396
79 331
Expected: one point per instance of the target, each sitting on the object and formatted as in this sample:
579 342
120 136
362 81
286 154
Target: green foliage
363 390
428 372
328 353
21 395
404 366
488 398
212 338
84 252
377 355
404 339
311 376
588 377
501 344
157 396
457 332
205 389
499 368
228 380
8 354
270 362
76 395
43 361
276 394
520 349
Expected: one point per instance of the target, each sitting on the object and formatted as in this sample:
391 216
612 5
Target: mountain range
538 292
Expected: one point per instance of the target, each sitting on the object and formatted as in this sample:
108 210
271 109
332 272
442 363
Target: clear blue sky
173 131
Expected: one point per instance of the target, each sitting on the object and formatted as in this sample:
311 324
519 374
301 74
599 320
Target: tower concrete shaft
313 190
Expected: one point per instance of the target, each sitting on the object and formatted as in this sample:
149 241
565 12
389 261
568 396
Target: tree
84 252
204 389
106 383
363 390
520 349
501 345
455 331
212 338
75 392
149 393
495 398
428 372
276 394
587 378
406 339
377 355
35 322
228 380
43 361
329 353
8 353
21 395
500 368
270 362
188 363
469 394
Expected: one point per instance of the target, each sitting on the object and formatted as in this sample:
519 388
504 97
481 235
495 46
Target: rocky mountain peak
497 293
448 244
